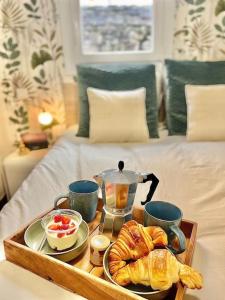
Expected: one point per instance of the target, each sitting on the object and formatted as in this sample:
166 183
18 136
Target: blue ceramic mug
167 216
83 197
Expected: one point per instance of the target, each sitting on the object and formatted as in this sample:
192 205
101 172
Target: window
116 26
105 31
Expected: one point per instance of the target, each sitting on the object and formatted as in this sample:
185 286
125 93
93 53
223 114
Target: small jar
98 245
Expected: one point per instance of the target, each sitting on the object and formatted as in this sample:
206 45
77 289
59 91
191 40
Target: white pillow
205 112
117 116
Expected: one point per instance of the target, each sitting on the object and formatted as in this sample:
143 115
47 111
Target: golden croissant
134 241
159 269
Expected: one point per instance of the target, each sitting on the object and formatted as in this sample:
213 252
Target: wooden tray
80 276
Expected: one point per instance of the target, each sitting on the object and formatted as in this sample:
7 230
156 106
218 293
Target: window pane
116 25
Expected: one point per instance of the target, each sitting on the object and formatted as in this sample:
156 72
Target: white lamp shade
45 118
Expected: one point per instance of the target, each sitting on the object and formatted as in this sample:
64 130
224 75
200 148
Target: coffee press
118 192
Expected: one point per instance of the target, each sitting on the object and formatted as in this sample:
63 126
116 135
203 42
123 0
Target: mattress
191 176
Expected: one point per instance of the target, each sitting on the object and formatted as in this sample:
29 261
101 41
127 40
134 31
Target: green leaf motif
190 1
42 73
52 35
9 45
200 9
14 120
6 84
12 71
10 41
60 48
21 109
38 32
199 2
3 55
223 21
182 31
33 16
191 12
45 46
5 46
58 56
34 2
28 7
7 93
218 27
16 113
37 79
24 121
12 14
15 63
220 7
40 58
14 54
22 128
200 38
195 17
13 47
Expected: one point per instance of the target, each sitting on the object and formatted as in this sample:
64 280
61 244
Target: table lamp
45 119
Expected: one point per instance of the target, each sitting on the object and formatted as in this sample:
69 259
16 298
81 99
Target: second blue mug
168 217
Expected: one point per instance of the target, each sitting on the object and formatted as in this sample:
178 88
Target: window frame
163 24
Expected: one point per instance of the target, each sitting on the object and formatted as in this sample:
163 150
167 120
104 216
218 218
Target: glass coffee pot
118 192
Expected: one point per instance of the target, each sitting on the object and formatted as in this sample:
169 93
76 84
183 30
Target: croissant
134 241
159 269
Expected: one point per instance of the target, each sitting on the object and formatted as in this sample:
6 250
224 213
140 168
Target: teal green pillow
118 77
180 73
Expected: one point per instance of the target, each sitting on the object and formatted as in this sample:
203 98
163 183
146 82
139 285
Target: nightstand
17 167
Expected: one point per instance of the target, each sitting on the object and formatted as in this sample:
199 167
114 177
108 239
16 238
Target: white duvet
192 176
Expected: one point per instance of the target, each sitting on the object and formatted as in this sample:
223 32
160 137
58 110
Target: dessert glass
61 228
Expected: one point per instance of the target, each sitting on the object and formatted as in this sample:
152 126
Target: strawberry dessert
61 231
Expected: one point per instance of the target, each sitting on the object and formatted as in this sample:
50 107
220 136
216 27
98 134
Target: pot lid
120 176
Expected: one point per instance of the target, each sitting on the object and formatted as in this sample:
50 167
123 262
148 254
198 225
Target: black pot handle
153 186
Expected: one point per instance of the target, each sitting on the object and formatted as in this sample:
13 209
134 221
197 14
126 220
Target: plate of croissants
139 261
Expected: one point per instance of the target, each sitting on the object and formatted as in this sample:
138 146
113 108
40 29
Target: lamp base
23 150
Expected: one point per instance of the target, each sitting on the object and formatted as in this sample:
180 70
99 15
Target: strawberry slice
60 235
64 226
54 227
65 220
71 231
57 218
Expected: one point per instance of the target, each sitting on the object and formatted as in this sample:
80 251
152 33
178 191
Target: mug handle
153 186
181 237
58 198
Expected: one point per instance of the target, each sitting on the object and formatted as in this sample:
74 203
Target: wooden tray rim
104 285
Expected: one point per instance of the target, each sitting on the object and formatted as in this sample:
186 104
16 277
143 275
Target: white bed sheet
192 176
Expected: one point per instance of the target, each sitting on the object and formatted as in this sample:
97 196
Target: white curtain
200 30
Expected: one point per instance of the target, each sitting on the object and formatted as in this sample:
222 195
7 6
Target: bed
191 176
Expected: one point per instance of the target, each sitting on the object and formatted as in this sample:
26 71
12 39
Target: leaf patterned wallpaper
200 30
31 61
